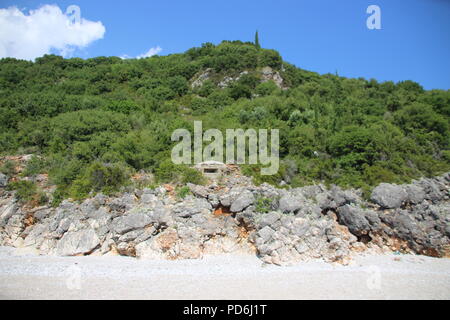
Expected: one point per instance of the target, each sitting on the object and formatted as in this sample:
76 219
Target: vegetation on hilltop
97 121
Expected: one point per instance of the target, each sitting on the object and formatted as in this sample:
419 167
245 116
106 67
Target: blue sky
321 35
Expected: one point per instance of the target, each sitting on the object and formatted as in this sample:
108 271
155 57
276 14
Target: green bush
374 175
27 191
35 165
99 177
182 192
58 196
266 88
194 176
263 205
255 172
9 168
446 156
168 172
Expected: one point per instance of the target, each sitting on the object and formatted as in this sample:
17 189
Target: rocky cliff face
223 81
280 226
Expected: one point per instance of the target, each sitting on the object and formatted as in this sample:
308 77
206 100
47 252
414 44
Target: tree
257 45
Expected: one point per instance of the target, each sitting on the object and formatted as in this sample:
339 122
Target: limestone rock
79 242
389 196
289 203
355 219
243 201
131 221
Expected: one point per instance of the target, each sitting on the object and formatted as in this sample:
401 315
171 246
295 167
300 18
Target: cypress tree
257 45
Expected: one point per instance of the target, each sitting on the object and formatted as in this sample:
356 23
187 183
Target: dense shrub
99 177
27 191
79 115
169 172
8 167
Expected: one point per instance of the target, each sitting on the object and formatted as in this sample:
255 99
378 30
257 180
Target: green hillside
95 122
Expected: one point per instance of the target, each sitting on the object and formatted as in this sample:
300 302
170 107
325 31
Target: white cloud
151 52
45 30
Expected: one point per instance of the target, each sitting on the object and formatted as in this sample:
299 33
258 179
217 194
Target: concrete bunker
212 169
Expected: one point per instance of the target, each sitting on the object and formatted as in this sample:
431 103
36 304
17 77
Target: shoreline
227 276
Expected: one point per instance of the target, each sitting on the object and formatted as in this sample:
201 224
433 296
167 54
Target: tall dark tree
257 40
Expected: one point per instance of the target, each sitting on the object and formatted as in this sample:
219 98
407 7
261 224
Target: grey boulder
266 233
244 200
79 242
358 221
190 207
389 196
289 203
415 193
198 191
131 221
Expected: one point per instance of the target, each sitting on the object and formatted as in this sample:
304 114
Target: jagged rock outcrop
281 226
201 77
266 74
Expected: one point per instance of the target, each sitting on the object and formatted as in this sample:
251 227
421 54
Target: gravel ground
27 276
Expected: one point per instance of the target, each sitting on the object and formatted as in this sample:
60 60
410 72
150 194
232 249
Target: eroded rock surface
280 226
